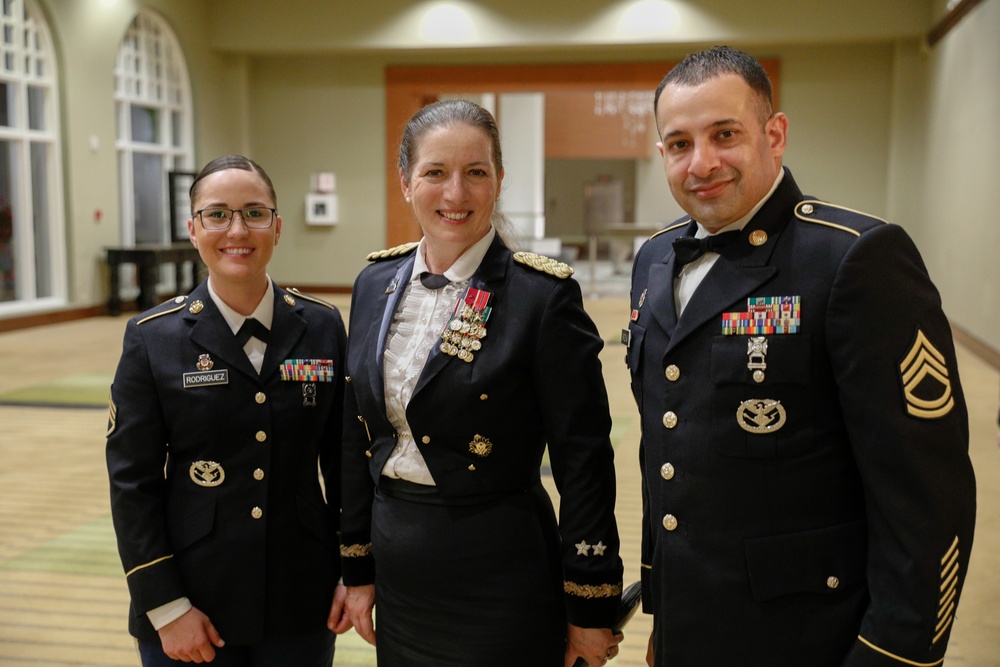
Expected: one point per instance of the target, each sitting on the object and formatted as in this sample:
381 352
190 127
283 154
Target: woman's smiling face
453 187
237 255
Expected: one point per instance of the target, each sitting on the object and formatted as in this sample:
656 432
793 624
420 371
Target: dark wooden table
148 259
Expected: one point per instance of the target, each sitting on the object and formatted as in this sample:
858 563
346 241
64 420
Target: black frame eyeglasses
221 218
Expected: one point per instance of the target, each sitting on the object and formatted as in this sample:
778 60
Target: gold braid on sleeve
355 550
587 591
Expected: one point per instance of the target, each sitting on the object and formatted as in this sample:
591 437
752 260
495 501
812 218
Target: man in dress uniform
807 492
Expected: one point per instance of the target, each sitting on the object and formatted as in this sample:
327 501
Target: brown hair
232 161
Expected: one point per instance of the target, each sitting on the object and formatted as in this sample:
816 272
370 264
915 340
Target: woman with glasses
466 361
225 410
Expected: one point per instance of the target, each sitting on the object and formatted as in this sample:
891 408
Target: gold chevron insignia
925 369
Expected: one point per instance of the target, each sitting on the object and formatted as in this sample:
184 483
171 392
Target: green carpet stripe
89 549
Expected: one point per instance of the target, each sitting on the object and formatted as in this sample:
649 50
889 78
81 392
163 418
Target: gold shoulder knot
392 252
308 297
544 264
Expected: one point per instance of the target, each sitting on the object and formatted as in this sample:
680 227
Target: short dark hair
232 161
699 67
444 114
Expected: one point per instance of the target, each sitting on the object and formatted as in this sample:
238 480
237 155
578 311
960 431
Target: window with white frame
153 113
32 248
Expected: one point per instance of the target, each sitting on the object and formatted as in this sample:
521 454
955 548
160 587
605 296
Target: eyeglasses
255 217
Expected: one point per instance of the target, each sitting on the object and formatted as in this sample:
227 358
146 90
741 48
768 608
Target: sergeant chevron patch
924 376
949 589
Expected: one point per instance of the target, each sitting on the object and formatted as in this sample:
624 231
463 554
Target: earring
407 200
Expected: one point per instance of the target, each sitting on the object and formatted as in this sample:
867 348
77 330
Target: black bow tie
252 327
433 280
688 248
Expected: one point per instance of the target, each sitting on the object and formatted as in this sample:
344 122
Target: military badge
925 380
309 394
196 307
481 446
207 473
205 362
761 415
756 352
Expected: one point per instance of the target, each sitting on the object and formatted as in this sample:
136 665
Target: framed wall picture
321 209
178 185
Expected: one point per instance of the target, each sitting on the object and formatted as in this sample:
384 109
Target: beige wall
878 122
946 165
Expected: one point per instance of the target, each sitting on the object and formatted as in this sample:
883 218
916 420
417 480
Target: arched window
32 256
154 136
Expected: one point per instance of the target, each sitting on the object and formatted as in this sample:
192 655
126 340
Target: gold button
426 439
483 397
260 397
672 373
256 512
670 522
832 582
368 453
258 474
261 436
667 471
472 468
807 209
669 419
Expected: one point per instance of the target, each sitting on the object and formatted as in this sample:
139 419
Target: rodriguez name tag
206 378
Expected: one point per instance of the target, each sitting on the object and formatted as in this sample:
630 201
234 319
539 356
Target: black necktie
252 327
688 248
433 280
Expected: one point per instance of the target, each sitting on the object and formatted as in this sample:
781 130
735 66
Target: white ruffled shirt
420 317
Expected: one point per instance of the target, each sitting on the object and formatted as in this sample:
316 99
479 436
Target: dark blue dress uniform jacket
256 551
536 381
836 530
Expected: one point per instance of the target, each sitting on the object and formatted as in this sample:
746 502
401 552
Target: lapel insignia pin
205 362
392 286
289 300
758 237
196 307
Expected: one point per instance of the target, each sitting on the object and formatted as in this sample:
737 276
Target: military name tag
307 370
206 378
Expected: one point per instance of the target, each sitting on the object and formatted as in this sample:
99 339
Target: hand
649 651
339 621
190 638
359 603
595 645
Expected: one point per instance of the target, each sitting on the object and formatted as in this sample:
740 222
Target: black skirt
470 585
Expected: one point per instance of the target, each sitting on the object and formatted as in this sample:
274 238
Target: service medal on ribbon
467 327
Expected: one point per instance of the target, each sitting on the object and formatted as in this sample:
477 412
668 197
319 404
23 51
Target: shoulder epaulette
836 217
671 228
308 297
178 304
544 264
395 251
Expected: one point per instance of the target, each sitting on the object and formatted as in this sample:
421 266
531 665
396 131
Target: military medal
463 334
